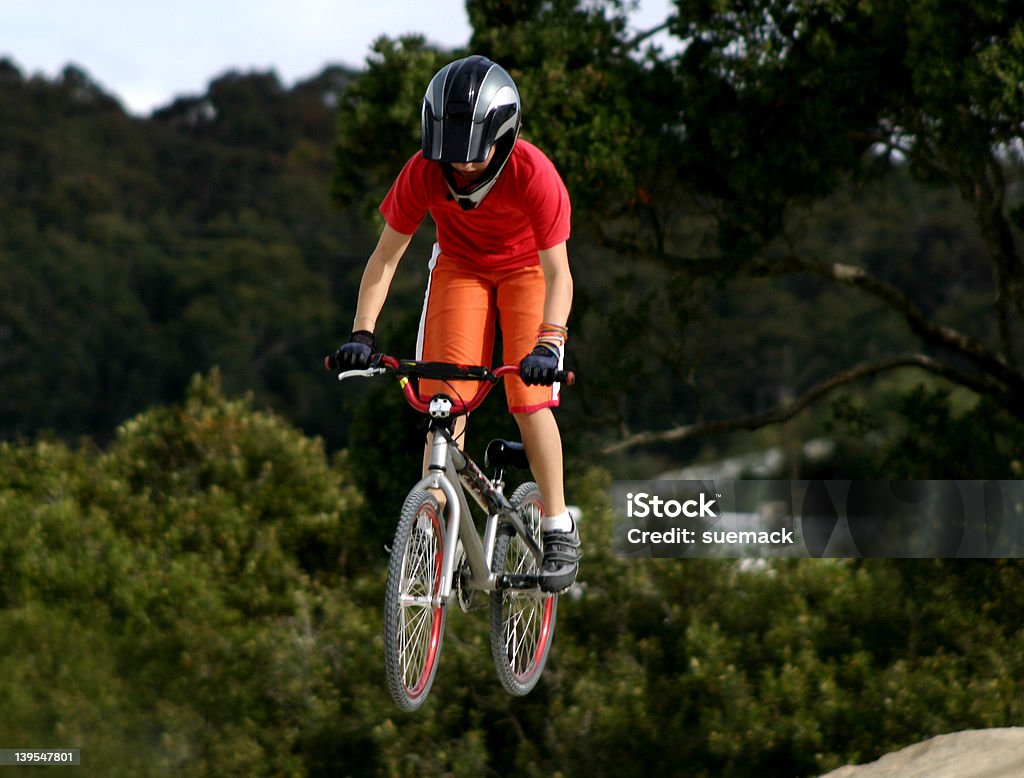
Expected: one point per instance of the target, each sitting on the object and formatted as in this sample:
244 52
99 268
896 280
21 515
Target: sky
147 53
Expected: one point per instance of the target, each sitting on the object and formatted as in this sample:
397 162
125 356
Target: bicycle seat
505 453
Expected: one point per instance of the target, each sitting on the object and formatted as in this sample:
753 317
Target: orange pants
461 308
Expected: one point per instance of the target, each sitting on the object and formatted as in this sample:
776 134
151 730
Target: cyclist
502 218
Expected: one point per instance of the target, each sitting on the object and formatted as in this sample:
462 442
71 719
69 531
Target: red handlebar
487 378
458 404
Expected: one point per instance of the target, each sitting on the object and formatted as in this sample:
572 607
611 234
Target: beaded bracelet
547 328
552 336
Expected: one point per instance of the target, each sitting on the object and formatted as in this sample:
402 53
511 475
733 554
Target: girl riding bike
502 216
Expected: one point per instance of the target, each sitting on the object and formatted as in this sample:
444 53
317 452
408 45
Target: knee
533 418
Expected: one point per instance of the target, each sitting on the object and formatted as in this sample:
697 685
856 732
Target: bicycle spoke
414 629
417 612
414 617
415 654
527 643
414 642
522 634
419 559
512 644
522 620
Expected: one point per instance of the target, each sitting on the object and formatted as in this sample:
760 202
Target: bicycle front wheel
522 621
413 619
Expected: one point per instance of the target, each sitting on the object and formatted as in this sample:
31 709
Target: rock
982 753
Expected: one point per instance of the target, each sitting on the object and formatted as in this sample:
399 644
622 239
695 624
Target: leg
520 309
561 537
543 444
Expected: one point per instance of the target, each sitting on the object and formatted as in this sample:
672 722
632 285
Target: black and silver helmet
471 105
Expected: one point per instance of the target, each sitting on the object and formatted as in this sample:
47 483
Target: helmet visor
457 129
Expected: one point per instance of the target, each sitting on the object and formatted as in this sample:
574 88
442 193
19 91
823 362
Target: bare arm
380 269
557 284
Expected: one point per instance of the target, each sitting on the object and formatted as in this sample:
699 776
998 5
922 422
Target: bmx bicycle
434 557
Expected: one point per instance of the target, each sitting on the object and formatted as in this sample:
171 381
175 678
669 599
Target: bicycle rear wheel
522 621
413 621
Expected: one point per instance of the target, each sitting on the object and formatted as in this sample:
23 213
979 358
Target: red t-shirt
527 210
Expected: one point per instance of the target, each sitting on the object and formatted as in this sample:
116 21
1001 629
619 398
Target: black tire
522 622
413 630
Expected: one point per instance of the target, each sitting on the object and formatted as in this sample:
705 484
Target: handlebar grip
330 363
566 377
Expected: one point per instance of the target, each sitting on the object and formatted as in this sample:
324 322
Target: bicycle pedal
521 582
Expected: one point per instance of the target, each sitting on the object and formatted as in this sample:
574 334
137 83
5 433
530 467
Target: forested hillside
134 253
804 224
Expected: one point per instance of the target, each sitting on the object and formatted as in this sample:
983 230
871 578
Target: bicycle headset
471 105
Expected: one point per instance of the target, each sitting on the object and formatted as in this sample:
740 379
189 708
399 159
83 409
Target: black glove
357 353
539 366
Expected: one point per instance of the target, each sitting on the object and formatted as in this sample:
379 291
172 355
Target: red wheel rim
434 642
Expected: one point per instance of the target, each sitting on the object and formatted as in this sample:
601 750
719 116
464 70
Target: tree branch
896 299
929 331
639 38
989 362
788 410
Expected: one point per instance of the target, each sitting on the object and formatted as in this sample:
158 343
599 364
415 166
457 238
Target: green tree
183 592
191 598
781 103
711 163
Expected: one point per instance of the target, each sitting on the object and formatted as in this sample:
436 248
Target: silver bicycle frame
446 463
